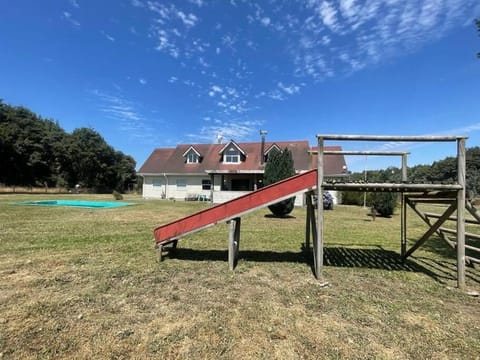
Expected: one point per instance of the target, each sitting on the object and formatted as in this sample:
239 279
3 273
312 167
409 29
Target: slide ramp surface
236 207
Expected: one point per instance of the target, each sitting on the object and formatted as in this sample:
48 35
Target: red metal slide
236 207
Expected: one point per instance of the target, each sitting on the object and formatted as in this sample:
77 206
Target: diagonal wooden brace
433 228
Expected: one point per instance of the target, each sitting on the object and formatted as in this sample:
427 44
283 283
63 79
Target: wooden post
461 214
403 227
318 240
404 168
237 237
308 222
233 242
160 252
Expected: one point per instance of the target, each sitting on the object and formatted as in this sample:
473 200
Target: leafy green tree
38 152
280 166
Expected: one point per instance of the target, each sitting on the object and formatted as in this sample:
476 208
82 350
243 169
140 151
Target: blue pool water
76 203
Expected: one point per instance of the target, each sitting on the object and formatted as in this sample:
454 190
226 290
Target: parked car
327 201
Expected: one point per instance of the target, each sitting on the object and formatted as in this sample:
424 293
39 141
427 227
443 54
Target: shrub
117 195
279 167
384 203
355 198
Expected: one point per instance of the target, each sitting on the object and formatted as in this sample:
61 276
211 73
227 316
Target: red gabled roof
332 164
157 157
172 161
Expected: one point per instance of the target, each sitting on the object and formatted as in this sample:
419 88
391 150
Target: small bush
117 195
384 203
354 198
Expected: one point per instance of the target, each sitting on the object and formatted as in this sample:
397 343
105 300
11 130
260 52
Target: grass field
83 284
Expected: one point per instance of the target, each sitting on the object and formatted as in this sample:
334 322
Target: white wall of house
175 186
180 186
223 196
153 187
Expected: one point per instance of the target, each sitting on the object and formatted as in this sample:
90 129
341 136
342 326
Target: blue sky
149 74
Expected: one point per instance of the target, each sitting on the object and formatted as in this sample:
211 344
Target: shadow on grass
248 255
333 256
443 271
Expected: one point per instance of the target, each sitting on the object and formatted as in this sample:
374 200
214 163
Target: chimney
219 138
262 148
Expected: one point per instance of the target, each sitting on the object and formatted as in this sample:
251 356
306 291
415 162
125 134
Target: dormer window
192 156
232 153
231 156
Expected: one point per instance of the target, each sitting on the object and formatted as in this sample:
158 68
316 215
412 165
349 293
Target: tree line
37 152
442 171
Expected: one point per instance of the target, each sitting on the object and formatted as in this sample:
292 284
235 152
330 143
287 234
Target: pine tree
280 166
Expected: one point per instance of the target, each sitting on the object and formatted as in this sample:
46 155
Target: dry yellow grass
79 283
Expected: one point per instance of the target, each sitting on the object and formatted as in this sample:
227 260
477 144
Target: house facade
221 172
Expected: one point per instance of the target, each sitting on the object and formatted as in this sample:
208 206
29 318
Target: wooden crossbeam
472 259
452 218
454 232
472 210
433 228
431 200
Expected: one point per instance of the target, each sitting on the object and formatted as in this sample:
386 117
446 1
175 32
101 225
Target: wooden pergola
451 194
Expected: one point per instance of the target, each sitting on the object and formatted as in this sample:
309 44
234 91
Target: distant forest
443 171
37 152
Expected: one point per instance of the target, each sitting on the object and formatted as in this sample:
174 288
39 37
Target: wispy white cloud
199 3
238 130
142 81
126 115
188 20
74 3
137 3
321 38
346 36
107 36
68 17
289 89
117 106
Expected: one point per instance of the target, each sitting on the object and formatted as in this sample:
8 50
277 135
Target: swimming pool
76 203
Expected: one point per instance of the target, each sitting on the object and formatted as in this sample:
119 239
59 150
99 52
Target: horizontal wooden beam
434 195
453 218
454 232
432 200
398 187
472 259
368 153
390 138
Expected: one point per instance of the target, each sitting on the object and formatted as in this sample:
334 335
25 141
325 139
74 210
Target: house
221 172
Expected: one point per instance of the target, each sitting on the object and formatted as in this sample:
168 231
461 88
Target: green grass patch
85 283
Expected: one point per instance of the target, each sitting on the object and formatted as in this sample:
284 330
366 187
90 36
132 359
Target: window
156 182
206 184
192 158
181 184
231 156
